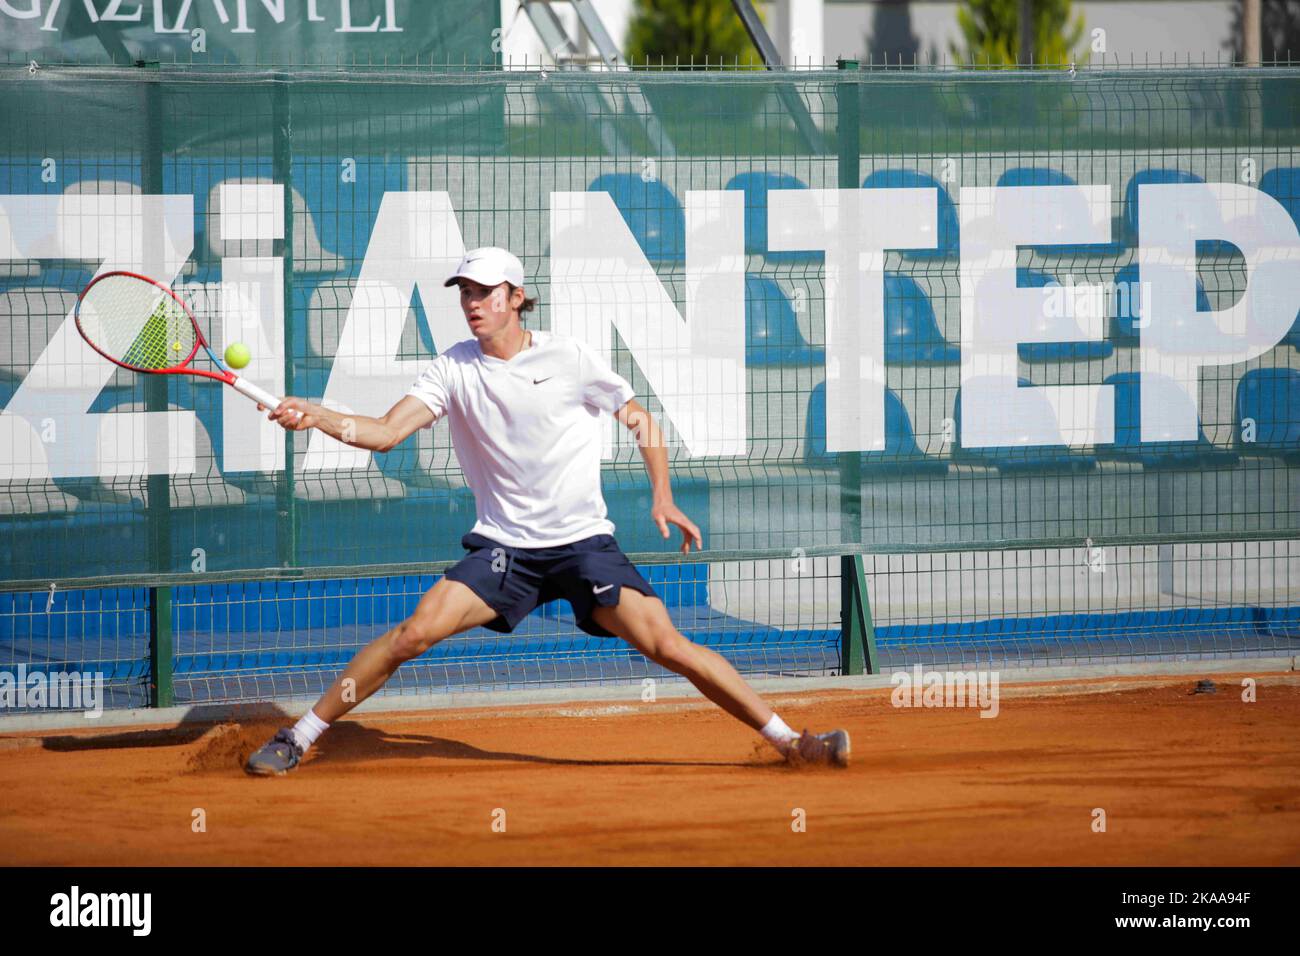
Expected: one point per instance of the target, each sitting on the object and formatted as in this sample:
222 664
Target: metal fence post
857 639
158 509
282 165
161 693
858 653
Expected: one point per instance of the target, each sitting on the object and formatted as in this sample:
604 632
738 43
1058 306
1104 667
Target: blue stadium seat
206 486
32 308
772 335
1129 446
1044 176
403 464
196 176
1128 303
344 213
652 212
911 179
1055 351
1016 458
1283 184
1151 177
24 177
912 333
1259 302
815 452
900 456
755 186
1270 397
1035 176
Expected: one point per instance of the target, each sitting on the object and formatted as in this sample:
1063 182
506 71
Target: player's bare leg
644 623
448 608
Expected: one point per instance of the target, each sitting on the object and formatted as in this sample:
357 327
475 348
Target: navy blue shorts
587 573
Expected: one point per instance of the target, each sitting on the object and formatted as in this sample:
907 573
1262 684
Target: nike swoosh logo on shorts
596 590
539 381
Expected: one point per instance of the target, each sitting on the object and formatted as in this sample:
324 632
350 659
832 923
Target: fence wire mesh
375 178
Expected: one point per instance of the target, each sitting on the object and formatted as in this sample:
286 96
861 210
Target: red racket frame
183 367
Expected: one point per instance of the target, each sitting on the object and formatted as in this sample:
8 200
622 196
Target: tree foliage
677 30
991 32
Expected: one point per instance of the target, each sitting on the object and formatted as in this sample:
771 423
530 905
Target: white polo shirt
527 434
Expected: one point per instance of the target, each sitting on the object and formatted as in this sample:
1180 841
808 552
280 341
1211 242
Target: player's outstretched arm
654 453
360 431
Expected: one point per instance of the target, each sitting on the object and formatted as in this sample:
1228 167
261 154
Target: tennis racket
141 325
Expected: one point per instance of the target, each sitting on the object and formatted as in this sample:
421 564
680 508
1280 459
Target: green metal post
857 637
857 632
158 512
282 165
161 693
848 111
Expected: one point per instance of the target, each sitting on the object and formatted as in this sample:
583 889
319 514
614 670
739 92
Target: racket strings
137 323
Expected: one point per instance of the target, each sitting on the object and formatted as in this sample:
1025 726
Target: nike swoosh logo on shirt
539 381
596 590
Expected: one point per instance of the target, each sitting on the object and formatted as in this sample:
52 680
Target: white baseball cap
489 266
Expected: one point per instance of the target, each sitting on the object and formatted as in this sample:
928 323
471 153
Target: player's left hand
666 514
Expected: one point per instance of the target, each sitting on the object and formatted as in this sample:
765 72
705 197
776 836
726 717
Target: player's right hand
294 414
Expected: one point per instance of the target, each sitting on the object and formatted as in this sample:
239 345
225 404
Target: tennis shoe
828 749
277 757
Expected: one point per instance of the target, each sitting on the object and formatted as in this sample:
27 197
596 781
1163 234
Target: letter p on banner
1181 340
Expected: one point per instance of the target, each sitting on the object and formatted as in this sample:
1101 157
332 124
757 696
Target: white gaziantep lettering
152 235
389 19
252 312
1178 340
601 280
997 315
31 13
114 11
178 25
854 227
415 244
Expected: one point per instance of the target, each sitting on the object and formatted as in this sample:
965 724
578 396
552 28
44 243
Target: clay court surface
1184 780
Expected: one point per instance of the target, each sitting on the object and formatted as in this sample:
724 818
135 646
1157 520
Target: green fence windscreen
251 32
315 214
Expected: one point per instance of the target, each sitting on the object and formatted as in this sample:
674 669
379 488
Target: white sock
308 729
778 733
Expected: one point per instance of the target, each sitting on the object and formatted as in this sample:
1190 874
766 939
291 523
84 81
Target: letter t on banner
854 227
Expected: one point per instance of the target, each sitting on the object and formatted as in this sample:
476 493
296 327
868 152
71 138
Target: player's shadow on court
350 742
346 742
198 721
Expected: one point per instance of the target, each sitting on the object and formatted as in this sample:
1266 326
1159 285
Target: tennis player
524 408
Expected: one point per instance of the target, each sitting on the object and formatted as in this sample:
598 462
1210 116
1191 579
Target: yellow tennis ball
238 355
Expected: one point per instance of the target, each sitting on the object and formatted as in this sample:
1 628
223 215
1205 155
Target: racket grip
244 387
